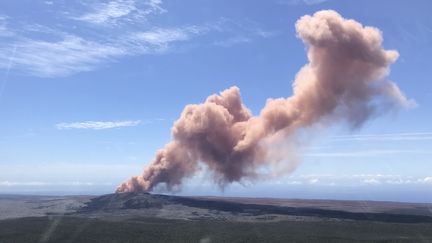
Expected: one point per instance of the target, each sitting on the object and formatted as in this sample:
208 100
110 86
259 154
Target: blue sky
90 89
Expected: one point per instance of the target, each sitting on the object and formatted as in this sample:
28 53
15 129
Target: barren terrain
143 217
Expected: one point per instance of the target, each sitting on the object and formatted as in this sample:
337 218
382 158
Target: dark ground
75 229
144 217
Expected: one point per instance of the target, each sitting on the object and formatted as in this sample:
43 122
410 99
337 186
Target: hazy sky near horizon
90 89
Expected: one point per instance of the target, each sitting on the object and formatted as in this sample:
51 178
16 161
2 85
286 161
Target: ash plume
344 81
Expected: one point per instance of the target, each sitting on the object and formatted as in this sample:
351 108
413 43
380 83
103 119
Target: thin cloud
115 11
313 2
60 50
367 153
358 180
299 2
251 35
372 181
239 32
44 183
108 11
26 183
49 59
42 58
159 39
55 171
385 137
97 125
232 41
4 31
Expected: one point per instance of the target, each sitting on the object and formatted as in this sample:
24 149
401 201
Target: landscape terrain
143 217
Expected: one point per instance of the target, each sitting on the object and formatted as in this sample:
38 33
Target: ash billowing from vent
344 81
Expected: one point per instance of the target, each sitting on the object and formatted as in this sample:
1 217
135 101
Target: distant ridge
126 201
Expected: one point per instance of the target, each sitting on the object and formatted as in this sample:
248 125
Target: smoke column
344 81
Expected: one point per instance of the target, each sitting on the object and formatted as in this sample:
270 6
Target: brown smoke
343 81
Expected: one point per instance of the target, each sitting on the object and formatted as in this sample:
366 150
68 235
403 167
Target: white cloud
160 38
357 180
97 125
60 50
21 183
372 181
295 182
69 55
313 180
72 54
117 10
109 11
428 180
